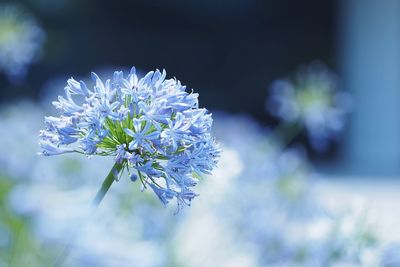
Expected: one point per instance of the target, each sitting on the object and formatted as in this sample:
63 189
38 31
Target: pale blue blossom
391 255
21 40
311 100
273 207
50 149
148 125
142 136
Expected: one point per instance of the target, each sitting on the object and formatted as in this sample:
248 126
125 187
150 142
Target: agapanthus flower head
311 99
21 40
151 126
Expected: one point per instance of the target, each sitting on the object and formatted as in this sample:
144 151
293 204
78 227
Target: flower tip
94 76
133 70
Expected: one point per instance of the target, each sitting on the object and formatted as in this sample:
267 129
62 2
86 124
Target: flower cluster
21 40
151 126
312 100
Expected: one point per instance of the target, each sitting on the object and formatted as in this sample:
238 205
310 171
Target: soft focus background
306 104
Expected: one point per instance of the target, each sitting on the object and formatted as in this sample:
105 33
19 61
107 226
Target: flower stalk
108 181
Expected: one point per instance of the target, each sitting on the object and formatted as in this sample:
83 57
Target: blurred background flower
311 101
21 40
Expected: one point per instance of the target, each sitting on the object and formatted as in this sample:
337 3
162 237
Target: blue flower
21 40
120 153
313 101
50 149
163 194
176 132
151 126
390 255
142 136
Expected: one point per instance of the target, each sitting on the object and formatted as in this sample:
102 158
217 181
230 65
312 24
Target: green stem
108 181
111 177
286 132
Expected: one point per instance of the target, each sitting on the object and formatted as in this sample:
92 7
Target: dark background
228 51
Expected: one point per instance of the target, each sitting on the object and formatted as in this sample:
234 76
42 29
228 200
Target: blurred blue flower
21 40
262 207
150 125
277 214
391 255
312 100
